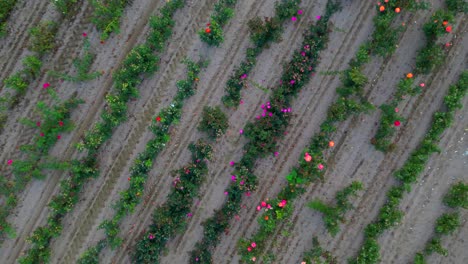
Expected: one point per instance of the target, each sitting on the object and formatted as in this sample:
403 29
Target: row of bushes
318 255
139 61
6 7
428 58
170 218
350 102
223 12
142 165
54 121
262 33
390 214
447 223
264 134
333 215
64 6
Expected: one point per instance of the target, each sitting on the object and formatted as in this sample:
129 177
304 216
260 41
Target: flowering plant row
264 135
106 15
55 121
139 61
170 218
390 214
429 57
213 33
261 35
333 215
447 223
318 255
142 165
82 65
6 7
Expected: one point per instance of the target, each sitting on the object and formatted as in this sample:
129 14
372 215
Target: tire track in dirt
433 176
84 227
91 114
16 46
189 129
179 242
299 126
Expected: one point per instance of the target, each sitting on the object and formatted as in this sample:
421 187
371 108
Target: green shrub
434 245
419 258
457 196
64 6
6 7
32 66
369 253
430 58
447 223
457 5
17 82
214 121
456 93
434 28
43 37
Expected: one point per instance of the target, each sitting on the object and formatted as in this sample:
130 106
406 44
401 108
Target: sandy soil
353 158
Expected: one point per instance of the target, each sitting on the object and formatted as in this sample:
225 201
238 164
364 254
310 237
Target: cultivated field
241 160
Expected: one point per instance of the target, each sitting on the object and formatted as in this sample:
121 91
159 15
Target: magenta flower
189 215
231 163
42 134
299 12
270 114
84 34
303 54
318 17
262 106
38 124
151 236
243 76
226 193
263 204
59 137
292 82
10 162
45 85
276 153
242 182
241 131
258 117
293 18
241 102
259 208
253 244
233 178
320 166
248 194
61 123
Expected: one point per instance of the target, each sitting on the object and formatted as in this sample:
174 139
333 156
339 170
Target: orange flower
382 8
409 75
266 217
397 10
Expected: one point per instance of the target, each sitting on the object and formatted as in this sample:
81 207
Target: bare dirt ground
353 158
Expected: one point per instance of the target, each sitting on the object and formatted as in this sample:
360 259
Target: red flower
448 29
60 123
84 34
397 123
128 178
38 124
158 119
42 134
45 85
58 137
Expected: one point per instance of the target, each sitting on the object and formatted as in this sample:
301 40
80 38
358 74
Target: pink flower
226 193
249 249
320 166
263 114
45 85
299 12
196 259
262 106
241 102
231 163
254 259
189 215
10 162
84 34
282 203
60 123
293 18
263 204
268 106
269 206
248 194
59 137
243 76
241 131
241 182
258 117
38 124
151 236
270 114
318 17
276 153
397 110
42 134
422 84
259 208
303 54
253 245
292 82
233 178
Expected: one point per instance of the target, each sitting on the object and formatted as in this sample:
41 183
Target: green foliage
223 12
17 82
447 223
386 129
457 5
430 58
214 121
6 7
318 255
419 258
456 93
335 214
43 37
106 15
369 253
32 66
457 196
64 6
435 28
